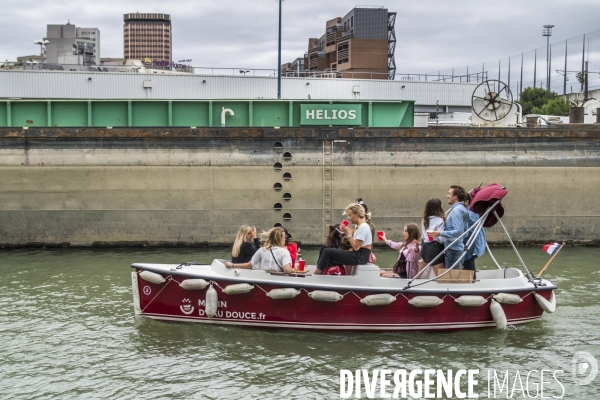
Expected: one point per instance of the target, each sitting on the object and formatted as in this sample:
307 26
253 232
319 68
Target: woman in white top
361 242
272 255
433 220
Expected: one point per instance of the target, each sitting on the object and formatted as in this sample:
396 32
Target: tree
533 100
556 106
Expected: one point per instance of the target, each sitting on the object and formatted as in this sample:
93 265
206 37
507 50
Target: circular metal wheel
497 94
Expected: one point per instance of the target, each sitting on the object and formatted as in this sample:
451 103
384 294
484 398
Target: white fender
193 284
211 302
506 298
152 277
238 288
548 306
425 301
498 315
471 301
325 295
378 299
284 293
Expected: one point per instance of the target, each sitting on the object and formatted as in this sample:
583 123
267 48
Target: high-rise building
359 45
147 37
71 45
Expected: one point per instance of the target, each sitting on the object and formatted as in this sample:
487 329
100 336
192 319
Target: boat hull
168 301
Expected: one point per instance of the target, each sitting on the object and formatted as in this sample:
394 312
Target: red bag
334 270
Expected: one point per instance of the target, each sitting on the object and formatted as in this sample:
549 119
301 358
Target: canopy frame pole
514 247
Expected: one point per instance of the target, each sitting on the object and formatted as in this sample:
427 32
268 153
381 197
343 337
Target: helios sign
331 114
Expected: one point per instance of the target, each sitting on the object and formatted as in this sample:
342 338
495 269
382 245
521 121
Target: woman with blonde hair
407 265
361 242
242 250
272 255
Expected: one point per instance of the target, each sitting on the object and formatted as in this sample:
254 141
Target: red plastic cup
345 223
301 264
429 236
380 235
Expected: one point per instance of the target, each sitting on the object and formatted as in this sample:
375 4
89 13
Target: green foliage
533 100
556 106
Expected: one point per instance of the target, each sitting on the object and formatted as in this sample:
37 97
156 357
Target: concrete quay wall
160 187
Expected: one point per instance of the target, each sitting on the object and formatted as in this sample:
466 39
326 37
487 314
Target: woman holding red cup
361 242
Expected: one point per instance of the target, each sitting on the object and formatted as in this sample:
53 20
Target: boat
358 301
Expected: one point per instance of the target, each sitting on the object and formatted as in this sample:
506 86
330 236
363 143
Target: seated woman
410 252
242 250
272 256
334 240
361 242
433 220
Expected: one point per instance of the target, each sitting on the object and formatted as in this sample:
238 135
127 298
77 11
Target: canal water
68 330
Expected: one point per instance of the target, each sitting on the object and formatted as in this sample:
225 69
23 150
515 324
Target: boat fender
152 277
548 306
193 284
238 288
378 299
471 301
498 315
325 295
425 301
506 298
285 293
211 302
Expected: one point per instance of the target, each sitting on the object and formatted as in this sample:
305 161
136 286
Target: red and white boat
361 301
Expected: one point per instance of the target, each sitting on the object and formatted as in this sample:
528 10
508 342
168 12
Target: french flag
552 248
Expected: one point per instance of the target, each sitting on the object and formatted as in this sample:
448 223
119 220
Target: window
352 21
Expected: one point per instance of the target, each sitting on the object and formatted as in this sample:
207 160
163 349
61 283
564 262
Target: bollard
576 115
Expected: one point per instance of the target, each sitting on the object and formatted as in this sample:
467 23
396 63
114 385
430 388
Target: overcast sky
431 35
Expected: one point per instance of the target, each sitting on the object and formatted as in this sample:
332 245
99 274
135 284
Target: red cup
345 223
429 236
301 264
380 235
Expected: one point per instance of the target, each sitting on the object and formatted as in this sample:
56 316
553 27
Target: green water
68 331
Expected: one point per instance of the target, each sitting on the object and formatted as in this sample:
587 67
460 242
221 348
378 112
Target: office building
71 45
360 45
147 37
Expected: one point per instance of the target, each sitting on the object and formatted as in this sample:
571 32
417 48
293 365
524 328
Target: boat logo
186 307
147 290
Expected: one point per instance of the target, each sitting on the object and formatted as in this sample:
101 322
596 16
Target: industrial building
68 44
147 37
360 45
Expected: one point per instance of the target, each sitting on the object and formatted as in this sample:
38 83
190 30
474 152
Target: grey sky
431 35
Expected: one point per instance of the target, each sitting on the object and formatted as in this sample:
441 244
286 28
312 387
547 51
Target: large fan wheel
497 93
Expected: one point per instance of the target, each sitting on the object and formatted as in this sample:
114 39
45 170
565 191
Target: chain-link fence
566 62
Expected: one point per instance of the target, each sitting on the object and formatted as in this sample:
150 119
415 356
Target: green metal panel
150 113
201 113
240 111
392 114
190 113
271 113
69 113
109 113
3 114
29 113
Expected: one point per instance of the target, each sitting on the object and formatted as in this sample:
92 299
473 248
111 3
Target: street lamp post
547 32
42 43
279 56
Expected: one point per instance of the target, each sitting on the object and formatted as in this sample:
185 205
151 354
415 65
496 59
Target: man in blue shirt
456 224
478 247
